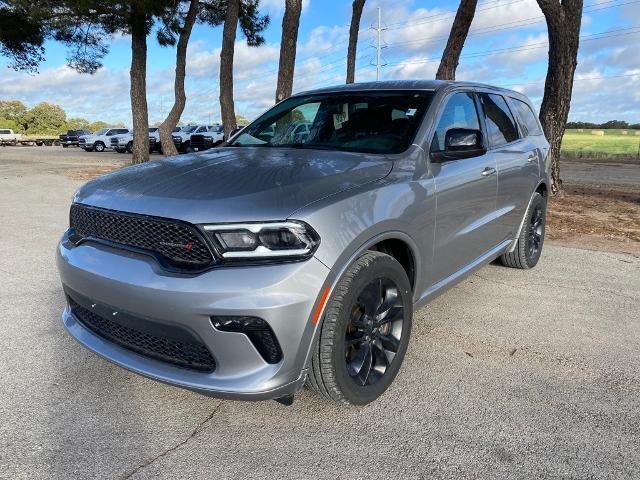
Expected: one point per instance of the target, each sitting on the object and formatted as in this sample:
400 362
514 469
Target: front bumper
284 295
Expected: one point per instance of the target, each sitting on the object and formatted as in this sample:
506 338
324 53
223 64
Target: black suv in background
71 137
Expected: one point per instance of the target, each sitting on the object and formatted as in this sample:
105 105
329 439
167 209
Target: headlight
261 241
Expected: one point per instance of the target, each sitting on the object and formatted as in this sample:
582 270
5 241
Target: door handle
533 157
488 171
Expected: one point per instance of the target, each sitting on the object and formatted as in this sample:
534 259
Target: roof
401 85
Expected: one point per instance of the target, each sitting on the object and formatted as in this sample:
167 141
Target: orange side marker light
323 300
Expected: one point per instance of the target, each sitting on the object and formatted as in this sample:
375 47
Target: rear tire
129 148
363 336
529 245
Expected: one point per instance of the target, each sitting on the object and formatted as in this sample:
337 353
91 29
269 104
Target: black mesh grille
201 142
179 244
193 355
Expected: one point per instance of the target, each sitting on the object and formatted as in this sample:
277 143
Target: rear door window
527 117
501 127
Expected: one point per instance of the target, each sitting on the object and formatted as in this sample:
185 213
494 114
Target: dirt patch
87 174
596 218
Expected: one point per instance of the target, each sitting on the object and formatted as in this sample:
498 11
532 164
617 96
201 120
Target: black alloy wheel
528 247
374 331
365 331
534 239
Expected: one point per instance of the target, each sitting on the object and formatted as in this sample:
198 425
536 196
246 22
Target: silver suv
278 259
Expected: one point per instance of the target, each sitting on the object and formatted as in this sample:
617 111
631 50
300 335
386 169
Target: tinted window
527 117
459 112
4 132
501 126
376 122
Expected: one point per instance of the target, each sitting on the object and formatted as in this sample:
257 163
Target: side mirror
461 143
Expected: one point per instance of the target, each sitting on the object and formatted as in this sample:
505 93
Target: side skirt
448 282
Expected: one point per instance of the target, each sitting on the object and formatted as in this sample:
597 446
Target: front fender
352 221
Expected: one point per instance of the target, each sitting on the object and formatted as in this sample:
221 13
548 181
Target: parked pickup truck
124 143
182 137
213 137
8 137
101 139
72 137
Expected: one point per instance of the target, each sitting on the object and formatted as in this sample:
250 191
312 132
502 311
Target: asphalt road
511 374
625 175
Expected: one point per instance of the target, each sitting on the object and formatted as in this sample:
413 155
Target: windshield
102 131
153 129
373 122
189 129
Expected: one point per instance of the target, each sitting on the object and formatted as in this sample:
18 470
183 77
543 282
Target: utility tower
379 45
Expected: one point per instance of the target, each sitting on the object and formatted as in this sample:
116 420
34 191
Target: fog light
257 330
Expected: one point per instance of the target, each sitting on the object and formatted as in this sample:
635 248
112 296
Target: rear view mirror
461 143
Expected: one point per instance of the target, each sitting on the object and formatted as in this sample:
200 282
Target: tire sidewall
382 266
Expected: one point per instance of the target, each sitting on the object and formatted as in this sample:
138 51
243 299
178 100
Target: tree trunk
166 128
457 37
290 24
563 27
138 76
226 66
354 30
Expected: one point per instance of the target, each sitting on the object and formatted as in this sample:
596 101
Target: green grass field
583 144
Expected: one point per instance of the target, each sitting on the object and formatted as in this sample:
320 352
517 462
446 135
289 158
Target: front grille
114 142
200 142
177 244
82 140
182 353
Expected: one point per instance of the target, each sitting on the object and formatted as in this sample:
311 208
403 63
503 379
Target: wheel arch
395 243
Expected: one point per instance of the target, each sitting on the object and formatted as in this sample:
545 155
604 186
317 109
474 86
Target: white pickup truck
8 137
100 140
182 137
204 140
124 142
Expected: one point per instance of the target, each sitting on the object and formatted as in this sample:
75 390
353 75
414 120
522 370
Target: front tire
529 245
99 147
364 333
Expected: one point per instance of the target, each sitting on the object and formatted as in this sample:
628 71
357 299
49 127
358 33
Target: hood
234 184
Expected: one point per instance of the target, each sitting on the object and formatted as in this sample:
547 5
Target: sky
507 46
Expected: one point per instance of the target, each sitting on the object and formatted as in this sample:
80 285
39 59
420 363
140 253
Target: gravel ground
510 374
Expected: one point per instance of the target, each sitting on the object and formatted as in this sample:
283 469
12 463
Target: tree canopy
43 119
